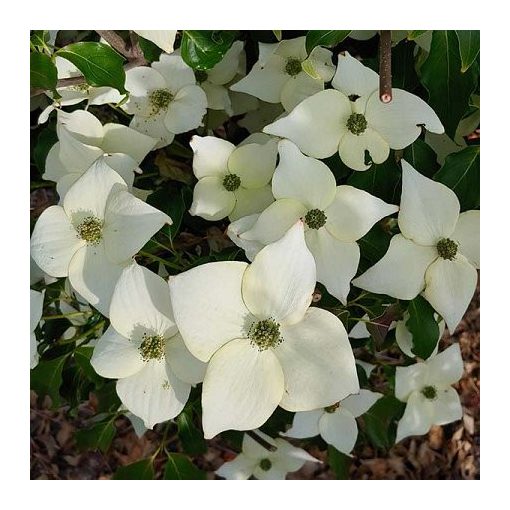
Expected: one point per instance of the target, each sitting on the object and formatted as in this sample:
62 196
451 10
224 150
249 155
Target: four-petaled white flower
426 388
36 308
95 234
144 350
335 216
336 424
265 346
83 140
232 181
264 464
164 99
404 337
163 39
351 119
436 252
279 76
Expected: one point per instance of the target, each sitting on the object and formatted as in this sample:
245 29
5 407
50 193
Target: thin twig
261 441
116 42
385 94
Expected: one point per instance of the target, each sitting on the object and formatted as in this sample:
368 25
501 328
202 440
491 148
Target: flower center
332 408
201 76
152 347
357 124
265 334
315 218
429 392
159 100
81 87
265 464
90 230
293 67
231 182
447 248
353 97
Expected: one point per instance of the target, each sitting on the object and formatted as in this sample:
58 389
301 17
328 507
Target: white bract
232 181
265 346
95 234
350 118
426 388
279 75
74 94
335 216
336 424
164 99
264 464
437 251
163 39
144 350
83 140
36 308
404 337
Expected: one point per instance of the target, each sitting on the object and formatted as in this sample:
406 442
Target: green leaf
373 245
203 49
45 141
449 89
278 34
108 400
99 436
82 357
192 439
414 34
43 72
179 467
402 66
380 420
46 379
151 52
39 39
101 65
328 38
422 157
141 470
469 47
461 173
339 463
422 326
171 202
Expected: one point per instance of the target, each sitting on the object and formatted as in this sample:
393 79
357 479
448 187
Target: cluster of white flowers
248 332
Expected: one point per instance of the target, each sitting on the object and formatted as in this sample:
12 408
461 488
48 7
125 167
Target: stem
261 441
63 316
385 94
116 42
159 259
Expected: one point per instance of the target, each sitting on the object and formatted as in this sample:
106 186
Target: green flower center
293 67
159 100
357 124
265 334
231 182
315 218
90 230
447 248
82 87
201 76
265 464
332 408
429 392
152 347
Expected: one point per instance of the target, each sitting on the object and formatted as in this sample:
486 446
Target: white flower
265 345
83 140
239 227
144 350
279 77
351 119
232 181
36 308
163 39
436 252
426 387
74 94
337 423
95 234
264 464
405 338
335 216
164 99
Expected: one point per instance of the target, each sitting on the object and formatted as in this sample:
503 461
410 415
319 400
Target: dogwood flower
335 216
95 234
426 388
279 75
351 119
144 350
404 337
163 39
164 99
83 140
336 424
239 227
437 251
265 346
232 181
36 308
263 464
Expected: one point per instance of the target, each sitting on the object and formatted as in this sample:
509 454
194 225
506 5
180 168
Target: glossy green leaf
171 202
82 357
328 38
422 157
179 467
43 72
100 64
141 470
46 379
422 326
339 463
449 89
469 47
461 173
99 436
402 66
380 421
192 439
203 49
373 245
414 34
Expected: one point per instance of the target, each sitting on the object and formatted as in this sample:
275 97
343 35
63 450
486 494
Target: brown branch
385 94
261 441
116 42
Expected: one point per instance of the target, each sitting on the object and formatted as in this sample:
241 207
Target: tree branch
261 441
116 42
385 94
